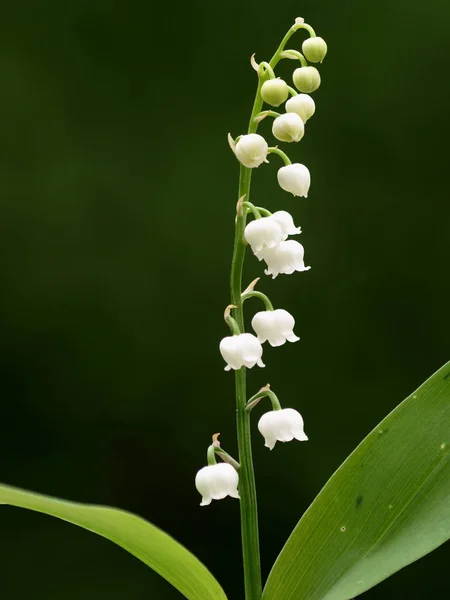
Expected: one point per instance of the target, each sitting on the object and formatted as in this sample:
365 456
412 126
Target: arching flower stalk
267 235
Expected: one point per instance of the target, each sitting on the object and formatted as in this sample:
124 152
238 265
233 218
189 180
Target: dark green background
118 192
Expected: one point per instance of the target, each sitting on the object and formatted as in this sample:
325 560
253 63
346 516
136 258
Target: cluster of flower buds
267 235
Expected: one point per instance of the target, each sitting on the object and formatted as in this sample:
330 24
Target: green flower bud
315 49
306 79
274 91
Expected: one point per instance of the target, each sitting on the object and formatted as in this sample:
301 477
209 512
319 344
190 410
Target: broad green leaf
385 507
140 538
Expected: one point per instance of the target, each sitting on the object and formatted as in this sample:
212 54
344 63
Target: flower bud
216 482
281 425
303 105
286 222
274 326
243 350
284 259
288 127
251 150
295 179
315 49
274 91
306 79
264 232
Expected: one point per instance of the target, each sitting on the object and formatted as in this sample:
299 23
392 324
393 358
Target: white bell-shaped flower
295 179
242 350
288 127
215 482
281 425
263 233
285 258
251 150
286 222
274 326
303 105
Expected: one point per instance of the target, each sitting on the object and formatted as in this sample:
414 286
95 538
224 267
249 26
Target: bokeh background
118 193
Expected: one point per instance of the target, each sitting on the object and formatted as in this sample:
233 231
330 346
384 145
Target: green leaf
140 538
385 507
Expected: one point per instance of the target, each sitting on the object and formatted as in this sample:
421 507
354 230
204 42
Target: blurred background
118 193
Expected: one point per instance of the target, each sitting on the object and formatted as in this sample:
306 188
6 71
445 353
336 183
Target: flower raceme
268 238
242 350
281 425
284 259
275 327
215 482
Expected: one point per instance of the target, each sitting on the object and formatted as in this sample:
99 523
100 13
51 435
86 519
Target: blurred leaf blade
384 508
140 538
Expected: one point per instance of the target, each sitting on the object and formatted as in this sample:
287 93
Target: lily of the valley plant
389 502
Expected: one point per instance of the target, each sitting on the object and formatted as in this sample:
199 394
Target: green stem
266 113
228 458
283 155
296 55
264 393
211 455
264 211
247 487
232 324
261 296
252 207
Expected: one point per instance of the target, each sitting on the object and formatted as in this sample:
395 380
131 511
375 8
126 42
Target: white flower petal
295 179
241 350
251 150
215 482
286 222
291 337
288 127
274 326
303 105
281 425
263 233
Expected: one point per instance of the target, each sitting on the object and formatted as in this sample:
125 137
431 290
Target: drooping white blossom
251 150
242 350
286 222
285 258
295 179
303 105
288 127
274 326
263 233
215 482
281 425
